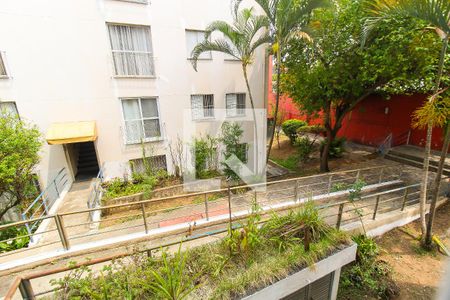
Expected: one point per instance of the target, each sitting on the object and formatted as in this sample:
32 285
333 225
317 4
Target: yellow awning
71 132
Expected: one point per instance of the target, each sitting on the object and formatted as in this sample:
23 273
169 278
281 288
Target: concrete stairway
87 160
413 156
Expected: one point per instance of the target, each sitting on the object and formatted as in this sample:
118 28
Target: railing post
381 175
296 191
405 197
144 217
407 138
339 220
376 208
62 231
329 183
26 290
44 202
229 205
206 208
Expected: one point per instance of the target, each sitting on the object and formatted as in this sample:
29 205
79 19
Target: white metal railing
40 207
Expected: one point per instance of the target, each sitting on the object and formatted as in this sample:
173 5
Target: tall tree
332 73
19 154
241 39
434 13
288 19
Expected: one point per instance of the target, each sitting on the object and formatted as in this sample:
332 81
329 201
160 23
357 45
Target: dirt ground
416 272
354 157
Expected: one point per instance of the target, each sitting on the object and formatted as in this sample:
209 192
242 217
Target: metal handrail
23 283
64 238
45 200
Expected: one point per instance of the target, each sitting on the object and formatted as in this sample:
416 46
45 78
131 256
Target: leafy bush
231 140
304 147
313 129
205 152
290 163
290 128
367 276
17 243
336 147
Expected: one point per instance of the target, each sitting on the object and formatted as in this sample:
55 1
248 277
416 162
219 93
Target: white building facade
122 67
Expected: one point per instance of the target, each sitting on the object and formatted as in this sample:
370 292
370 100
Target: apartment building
98 77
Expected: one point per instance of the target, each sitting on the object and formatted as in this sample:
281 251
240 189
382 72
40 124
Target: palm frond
218 45
435 12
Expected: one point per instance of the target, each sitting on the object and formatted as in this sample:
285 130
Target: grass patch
248 259
290 163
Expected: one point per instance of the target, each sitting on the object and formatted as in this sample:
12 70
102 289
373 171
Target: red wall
372 120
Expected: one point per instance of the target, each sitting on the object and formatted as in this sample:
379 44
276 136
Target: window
141 117
235 104
155 163
9 108
202 106
132 50
3 72
194 37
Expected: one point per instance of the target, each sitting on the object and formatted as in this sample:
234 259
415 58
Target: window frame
197 31
203 108
151 54
15 107
142 119
228 110
5 67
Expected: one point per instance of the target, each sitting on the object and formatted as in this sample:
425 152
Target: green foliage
13 232
367 276
304 147
312 129
290 163
19 154
290 128
172 279
205 151
336 148
231 137
209 271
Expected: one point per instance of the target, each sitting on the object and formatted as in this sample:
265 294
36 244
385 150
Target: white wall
59 58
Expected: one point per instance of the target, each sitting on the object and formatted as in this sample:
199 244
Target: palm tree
241 39
288 20
436 13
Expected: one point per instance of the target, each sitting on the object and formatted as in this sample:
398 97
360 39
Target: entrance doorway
83 160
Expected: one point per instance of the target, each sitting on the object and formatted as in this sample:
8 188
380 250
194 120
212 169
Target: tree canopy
336 70
19 154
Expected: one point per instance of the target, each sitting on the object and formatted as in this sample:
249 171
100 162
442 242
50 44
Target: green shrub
313 129
336 147
304 147
17 243
290 128
205 152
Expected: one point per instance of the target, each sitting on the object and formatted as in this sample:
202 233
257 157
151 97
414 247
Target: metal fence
41 206
337 214
70 228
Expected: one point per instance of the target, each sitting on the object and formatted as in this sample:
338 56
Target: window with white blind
155 163
141 116
3 72
9 108
202 106
132 50
194 37
235 104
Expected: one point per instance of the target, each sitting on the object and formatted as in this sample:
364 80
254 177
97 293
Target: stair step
416 158
415 163
88 169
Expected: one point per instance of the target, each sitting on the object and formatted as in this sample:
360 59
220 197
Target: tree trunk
426 160
244 69
277 102
435 192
